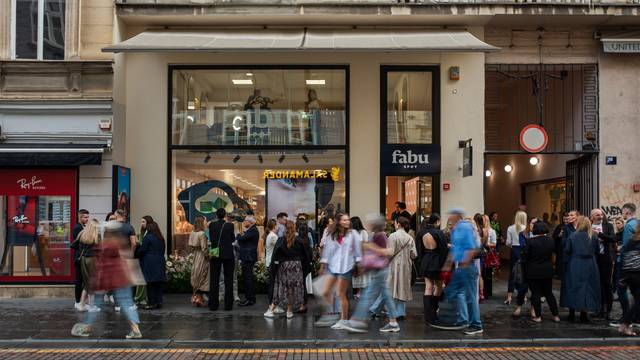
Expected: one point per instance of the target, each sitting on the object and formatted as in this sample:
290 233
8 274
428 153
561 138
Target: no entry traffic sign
533 138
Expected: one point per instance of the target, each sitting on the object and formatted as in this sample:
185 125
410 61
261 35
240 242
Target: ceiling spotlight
534 160
488 173
281 158
207 158
305 158
260 158
508 168
249 74
235 159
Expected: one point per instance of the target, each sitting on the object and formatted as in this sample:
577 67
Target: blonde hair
90 235
584 224
521 221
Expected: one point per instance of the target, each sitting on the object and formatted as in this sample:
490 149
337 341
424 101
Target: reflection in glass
259 107
26 29
53 37
35 236
409 108
310 182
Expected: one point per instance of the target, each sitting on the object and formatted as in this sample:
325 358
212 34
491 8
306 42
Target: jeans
123 298
515 257
463 288
247 280
621 290
377 289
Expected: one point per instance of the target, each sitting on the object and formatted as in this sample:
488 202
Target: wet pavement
178 324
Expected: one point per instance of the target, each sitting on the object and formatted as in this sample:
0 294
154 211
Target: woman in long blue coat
582 280
153 265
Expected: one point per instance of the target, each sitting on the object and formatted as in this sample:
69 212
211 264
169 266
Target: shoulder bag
214 252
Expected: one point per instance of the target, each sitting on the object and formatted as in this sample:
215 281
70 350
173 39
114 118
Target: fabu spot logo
409 160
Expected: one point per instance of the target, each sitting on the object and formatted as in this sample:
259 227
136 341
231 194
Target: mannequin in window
313 107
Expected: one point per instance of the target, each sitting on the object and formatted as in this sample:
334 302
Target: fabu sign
410 159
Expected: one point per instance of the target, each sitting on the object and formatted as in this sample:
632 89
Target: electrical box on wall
454 73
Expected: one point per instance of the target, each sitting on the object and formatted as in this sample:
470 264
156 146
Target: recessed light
488 173
534 160
315 82
508 168
242 81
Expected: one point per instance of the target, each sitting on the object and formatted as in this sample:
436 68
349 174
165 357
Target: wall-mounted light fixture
281 159
508 168
534 160
235 159
488 173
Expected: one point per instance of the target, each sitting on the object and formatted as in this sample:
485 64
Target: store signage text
334 174
622 47
410 159
20 219
31 184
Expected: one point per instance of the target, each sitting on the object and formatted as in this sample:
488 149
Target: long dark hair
154 229
303 232
356 224
430 222
336 229
149 220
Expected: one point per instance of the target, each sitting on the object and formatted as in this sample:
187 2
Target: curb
324 343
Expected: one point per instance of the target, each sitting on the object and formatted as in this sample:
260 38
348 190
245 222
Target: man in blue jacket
248 254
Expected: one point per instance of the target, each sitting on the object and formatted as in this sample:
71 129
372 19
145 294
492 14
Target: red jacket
111 270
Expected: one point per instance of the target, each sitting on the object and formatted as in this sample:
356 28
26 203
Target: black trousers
633 280
227 266
247 280
522 293
273 271
540 288
154 293
487 276
605 267
78 283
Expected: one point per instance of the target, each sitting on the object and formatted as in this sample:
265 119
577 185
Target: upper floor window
38 29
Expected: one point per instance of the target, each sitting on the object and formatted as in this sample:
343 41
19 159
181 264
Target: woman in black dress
435 253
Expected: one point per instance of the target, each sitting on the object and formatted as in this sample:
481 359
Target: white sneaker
278 310
340 325
269 314
134 307
80 307
117 308
93 308
111 299
289 314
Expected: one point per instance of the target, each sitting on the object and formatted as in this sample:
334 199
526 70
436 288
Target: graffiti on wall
614 195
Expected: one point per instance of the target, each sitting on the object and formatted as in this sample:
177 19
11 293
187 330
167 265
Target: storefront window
258 107
262 183
36 217
410 107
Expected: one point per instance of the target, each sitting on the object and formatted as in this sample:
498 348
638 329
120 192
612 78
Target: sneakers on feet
473 330
390 328
134 335
289 314
438 324
117 308
93 308
269 314
356 326
615 323
340 325
278 310
80 307
327 320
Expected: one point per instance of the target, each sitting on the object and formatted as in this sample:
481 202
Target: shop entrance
410 196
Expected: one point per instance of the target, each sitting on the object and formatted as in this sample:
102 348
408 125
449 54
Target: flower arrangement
179 273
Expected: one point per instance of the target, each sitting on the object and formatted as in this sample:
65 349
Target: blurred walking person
199 247
111 274
89 239
376 257
360 281
153 264
403 251
340 255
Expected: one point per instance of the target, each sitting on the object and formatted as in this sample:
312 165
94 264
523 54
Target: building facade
317 107
56 118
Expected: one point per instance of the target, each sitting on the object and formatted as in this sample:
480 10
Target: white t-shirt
269 245
493 237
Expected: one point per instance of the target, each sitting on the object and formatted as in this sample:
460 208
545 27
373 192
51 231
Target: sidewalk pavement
28 322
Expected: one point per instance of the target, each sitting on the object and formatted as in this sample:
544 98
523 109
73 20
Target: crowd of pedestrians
371 264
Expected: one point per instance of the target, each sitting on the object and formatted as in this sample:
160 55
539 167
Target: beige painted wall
619 129
96 28
462 115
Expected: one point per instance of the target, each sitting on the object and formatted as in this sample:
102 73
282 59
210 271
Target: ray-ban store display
257 140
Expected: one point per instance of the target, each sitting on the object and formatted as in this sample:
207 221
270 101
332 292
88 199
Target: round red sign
533 138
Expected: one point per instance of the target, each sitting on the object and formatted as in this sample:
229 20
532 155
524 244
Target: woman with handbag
492 259
140 298
376 264
199 247
88 239
111 274
153 264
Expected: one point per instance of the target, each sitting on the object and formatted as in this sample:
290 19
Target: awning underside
274 40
